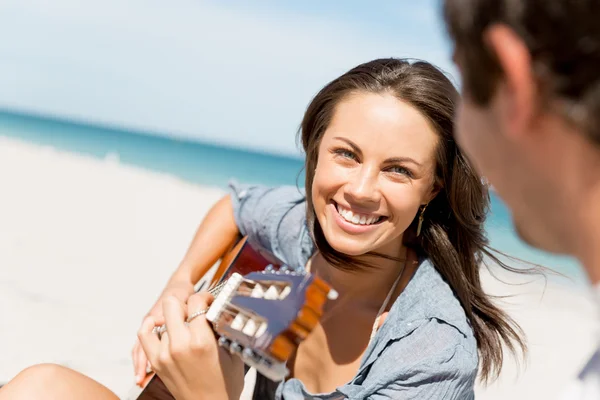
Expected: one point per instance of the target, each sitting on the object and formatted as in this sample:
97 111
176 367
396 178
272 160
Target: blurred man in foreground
530 121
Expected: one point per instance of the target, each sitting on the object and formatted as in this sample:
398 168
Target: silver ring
197 314
159 330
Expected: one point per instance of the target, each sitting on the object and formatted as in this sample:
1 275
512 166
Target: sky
232 72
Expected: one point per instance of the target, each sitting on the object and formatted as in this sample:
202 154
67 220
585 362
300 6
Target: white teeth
358 219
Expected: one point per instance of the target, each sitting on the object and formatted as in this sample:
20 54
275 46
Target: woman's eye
345 153
401 170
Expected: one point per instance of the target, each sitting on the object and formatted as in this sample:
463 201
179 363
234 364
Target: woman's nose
363 187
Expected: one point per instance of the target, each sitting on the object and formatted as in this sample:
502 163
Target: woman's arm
215 235
255 211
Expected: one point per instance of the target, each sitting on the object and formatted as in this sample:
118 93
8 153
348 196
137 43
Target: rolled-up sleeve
433 361
273 218
251 208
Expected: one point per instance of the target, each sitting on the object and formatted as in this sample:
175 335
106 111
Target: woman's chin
348 247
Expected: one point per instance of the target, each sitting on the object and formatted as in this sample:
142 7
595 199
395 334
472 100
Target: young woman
392 217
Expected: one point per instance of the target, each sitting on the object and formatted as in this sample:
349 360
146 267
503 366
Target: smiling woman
379 142
375 163
392 217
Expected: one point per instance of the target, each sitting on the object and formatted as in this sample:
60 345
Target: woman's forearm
215 235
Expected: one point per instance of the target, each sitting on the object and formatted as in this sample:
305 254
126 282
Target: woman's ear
434 190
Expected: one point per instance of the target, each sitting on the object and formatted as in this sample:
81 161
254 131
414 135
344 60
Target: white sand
86 245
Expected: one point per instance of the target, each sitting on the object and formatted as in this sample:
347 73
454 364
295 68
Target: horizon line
141 131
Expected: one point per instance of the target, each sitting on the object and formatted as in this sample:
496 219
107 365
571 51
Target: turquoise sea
209 164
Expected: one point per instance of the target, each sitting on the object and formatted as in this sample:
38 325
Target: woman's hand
188 358
181 291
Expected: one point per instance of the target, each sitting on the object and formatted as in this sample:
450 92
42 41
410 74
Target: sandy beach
87 244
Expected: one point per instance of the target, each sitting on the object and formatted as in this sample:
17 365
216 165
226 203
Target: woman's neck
368 287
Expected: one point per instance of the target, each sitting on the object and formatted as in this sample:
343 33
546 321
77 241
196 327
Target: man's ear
517 90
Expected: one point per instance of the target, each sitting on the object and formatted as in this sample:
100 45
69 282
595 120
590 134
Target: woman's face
375 169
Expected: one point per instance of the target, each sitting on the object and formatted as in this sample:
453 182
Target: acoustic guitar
262 310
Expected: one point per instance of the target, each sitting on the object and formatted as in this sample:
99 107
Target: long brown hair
453 234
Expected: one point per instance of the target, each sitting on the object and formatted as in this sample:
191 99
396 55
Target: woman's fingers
134 356
149 340
174 312
199 301
173 348
202 334
140 361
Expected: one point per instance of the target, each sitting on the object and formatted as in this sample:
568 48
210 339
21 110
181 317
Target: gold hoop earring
421 218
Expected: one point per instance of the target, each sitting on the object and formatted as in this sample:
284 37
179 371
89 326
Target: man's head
530 113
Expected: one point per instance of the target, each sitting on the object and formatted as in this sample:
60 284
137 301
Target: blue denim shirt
425 349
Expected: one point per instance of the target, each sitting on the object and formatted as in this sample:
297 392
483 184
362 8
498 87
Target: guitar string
217 289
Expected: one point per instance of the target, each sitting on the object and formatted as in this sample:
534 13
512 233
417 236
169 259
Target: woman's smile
354 222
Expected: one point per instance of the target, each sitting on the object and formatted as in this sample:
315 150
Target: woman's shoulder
274 219
426 335
425 348
429 320
437 345
432 360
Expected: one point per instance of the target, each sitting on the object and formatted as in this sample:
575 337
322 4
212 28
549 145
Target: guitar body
243 259
262 312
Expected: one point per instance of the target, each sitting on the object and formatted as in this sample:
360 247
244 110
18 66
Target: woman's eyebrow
401 160
392 160
350 143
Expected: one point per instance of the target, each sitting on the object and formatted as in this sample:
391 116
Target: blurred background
121 122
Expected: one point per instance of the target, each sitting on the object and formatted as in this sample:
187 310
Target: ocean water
213 165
